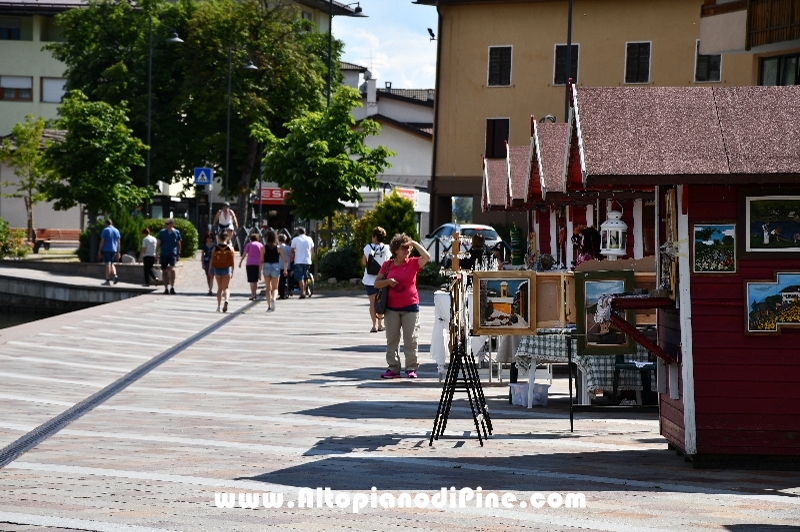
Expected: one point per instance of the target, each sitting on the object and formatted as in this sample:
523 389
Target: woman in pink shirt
253 252
402 303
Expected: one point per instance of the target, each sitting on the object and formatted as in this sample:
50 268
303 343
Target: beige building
500 61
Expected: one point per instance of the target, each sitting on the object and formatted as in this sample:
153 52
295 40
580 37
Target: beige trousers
394 321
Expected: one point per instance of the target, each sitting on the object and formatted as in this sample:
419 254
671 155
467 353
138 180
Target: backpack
222 257
373 266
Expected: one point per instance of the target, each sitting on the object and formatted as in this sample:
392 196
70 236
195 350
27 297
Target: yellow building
499 61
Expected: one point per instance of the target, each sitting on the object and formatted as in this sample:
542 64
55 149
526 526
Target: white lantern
613 236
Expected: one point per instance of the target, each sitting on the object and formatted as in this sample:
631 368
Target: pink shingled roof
761 128
518 158
650 131
553 151
496 183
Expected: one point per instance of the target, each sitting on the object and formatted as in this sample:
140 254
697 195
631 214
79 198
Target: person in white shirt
147 256
225 220
302 247
380 253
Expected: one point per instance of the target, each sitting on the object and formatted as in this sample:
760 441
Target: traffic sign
202 176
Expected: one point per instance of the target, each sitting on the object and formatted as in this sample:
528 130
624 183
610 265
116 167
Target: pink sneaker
389 374
411 374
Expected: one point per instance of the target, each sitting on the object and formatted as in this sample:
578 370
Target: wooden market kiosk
726 166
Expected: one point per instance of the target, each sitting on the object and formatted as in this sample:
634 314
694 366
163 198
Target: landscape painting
602 338
714 248
772 305
772 224
504 303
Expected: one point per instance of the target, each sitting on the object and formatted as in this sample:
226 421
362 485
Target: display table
596 371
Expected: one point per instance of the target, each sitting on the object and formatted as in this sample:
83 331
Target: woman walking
147 255
375 254
402 303
221 266
274 257
206 248
253 252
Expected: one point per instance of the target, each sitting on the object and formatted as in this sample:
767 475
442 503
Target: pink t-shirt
405 293
254 251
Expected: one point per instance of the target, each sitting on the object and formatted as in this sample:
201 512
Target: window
706 67
9 29
307 20
52 89
496 137
560 64
499 66
781 70
637 62
18 88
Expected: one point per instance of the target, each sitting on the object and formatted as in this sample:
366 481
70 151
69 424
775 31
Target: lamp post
357 12
172 39
249 66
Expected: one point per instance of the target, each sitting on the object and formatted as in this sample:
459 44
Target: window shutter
637 62
52 90
496 137
561 60
500 65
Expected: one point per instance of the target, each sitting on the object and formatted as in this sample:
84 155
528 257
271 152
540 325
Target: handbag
382 296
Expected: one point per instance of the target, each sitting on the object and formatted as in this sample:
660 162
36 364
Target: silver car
444 232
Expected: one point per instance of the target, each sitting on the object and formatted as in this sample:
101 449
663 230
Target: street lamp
248 66
173 38
357 12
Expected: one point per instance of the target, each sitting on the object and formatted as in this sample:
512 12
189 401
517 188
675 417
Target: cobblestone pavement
274 402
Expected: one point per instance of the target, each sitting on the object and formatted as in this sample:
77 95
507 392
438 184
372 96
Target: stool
621 365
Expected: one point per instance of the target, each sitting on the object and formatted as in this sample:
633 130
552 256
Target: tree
323 159
94 162
26 155
395 214
106 53
462 209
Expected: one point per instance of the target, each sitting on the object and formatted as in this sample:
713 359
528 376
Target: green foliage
395 214
95 159
12 243
106 54
130 231
343 227
323 159
26 156
189 236
430 275
342 263
462 209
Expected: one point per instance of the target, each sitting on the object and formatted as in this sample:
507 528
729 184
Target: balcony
749 26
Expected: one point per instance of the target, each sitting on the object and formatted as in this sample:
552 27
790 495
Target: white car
445 231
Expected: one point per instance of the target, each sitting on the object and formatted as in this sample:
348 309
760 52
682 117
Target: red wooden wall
747 388
671 410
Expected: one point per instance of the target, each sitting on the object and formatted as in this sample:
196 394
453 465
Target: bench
66 237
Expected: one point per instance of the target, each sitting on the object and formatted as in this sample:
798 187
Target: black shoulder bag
383 293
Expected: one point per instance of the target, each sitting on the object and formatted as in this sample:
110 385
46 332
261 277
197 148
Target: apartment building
501 61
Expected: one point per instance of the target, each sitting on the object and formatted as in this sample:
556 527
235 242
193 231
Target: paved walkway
255 402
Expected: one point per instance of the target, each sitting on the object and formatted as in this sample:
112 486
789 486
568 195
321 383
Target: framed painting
504 302
771 223
602 338
714 248
772 305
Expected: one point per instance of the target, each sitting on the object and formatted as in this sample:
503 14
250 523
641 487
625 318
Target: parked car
443 233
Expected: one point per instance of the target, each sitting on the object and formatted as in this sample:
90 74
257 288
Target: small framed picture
602 338
771 223
504 302
714 248
772 305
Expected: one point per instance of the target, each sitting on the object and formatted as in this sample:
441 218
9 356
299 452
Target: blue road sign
202 176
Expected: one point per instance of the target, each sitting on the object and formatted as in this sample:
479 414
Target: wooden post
455 249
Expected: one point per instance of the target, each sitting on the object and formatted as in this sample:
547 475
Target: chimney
372 97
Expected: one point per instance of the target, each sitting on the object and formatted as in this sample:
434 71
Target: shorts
109 256
271 269
371 290
167 261
252 273
300 271
222 272
221 228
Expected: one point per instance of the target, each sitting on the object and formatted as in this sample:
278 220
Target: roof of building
419 96
495 184
552 146
519 158
670 135
32 7
425 131
338 8
344 65
48 135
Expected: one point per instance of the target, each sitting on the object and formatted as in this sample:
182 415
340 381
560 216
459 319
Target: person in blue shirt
169 244
109 250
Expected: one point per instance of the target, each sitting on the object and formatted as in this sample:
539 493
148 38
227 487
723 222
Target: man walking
109 250
169 244
302 246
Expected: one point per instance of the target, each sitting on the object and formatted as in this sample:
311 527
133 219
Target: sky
393 42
